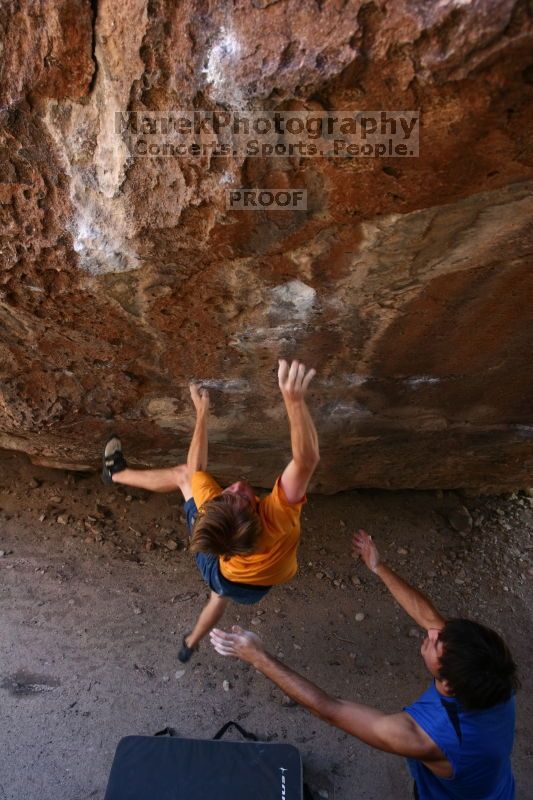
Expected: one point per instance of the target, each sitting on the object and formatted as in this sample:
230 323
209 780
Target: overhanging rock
407 282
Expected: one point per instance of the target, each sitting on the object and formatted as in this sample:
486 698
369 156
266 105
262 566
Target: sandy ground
96 590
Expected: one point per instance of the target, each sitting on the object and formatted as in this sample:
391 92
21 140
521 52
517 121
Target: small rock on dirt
226 685
171 544
179 673
359 617
288 701
459 518
62 519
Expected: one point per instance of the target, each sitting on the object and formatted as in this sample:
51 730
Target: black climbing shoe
113 460
186 652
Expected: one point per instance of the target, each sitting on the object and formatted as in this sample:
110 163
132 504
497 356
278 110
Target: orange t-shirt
274 560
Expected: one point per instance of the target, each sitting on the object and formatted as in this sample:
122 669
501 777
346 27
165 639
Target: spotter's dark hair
477 664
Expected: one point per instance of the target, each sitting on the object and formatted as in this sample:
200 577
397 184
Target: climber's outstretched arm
197 455
293 383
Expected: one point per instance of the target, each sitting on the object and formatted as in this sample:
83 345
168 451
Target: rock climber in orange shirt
243 545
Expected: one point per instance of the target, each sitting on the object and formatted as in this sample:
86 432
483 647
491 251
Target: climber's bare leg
209 616
168 479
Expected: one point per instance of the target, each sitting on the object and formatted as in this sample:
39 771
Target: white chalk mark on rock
94 156
418 380
219 69
235 385
295 298
347 409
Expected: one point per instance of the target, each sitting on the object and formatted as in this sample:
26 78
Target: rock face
407 282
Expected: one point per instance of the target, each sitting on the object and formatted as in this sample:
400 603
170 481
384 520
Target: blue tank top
477 744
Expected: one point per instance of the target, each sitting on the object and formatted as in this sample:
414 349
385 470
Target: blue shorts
244 593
